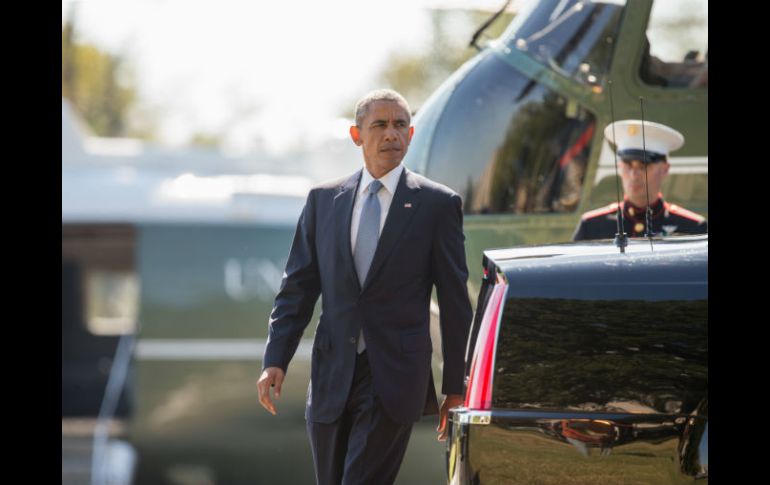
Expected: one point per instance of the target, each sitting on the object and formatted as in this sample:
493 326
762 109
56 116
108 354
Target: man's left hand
450 401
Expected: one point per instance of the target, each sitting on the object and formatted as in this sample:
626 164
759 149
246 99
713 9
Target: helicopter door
99 304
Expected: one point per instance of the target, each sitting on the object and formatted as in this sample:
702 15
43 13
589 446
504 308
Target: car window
591 352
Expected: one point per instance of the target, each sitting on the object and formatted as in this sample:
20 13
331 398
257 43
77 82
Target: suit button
352 340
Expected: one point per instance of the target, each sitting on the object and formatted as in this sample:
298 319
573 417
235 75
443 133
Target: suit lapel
343 212
402 208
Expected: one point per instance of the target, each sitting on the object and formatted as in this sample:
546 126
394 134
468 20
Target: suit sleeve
450 275
298 294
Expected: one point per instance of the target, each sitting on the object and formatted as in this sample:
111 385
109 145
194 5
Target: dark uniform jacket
667 219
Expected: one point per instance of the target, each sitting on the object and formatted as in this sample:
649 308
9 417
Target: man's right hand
271 377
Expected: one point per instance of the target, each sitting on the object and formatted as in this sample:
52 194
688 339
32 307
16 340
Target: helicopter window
112 303
676 45
108 282
574 38
425 120
510 145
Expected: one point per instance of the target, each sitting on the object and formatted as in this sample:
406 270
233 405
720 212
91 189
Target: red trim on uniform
600 211
581 142
659 208
681 211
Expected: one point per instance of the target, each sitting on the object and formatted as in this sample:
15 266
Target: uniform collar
631 211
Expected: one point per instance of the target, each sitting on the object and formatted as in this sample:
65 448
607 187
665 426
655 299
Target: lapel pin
408 205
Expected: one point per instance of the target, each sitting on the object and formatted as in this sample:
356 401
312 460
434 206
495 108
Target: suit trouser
363 446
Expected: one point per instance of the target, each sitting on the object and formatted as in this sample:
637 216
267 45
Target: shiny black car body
585 365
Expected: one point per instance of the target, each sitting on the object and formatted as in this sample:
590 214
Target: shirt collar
389 180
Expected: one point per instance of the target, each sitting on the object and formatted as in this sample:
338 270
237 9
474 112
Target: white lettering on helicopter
252 278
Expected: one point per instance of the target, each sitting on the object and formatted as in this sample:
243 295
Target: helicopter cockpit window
112 302
425 121
676 48
510 145
572 37
105 296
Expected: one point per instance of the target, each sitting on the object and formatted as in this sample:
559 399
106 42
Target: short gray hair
362 106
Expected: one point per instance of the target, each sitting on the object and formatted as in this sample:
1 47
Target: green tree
99 84
205 139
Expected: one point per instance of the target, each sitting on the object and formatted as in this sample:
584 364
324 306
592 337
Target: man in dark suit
373 245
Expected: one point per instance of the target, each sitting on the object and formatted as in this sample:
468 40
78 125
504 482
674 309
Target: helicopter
517 130
165 295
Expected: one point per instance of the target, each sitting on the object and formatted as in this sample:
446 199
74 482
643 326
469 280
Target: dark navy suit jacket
421 245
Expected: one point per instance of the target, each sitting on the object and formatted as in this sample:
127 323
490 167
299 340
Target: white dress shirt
385 196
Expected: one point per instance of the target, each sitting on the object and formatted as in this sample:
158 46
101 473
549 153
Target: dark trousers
363 446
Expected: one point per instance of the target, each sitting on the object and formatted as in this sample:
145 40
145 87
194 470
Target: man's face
632 174
384 136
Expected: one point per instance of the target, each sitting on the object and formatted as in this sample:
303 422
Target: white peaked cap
658 138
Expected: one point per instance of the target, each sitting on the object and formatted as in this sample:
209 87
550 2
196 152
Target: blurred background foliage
99 84
102 86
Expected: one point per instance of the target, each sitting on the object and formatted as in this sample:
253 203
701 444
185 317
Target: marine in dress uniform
665 218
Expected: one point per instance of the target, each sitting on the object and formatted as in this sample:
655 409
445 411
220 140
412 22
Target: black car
585 365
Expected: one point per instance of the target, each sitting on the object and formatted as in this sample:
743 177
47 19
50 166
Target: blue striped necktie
366 240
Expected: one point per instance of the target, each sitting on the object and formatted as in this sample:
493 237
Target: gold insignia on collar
631 211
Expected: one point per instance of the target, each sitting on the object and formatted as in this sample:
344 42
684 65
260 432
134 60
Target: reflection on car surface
585 365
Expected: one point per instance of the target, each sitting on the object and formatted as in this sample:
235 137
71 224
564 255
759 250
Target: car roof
636 247
675 268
